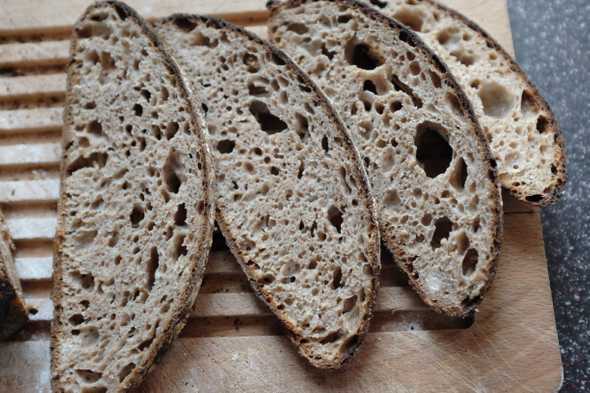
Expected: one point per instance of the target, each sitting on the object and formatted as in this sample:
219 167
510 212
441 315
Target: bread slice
13 313
292 197
520 128
136 209
430 169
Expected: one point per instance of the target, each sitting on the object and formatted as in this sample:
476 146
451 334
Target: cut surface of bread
13 313
135 212
292 197
521 130
430 170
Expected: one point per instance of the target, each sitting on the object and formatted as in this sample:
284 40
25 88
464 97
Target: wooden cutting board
232 343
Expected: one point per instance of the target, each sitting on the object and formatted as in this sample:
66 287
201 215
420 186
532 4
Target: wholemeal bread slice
520 128
430 169
13 313
292 197
135 212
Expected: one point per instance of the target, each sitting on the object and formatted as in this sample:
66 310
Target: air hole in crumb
301 125
277 59
96 159
412 18
527 103
379 3
94 127
415 68
200 39
256 89
391 198
126 371
180 215
467 58
349 304
436 81
335 218
395 106
462 242
76 319
88 376
496 99
470 262
443 227
433 152
300 169
426 219
171 129
298 28
370 86
337 278
534 198
152 267
542 124
226 146
332 337
137 109
325 144
268 122
362 55
343 18
185 23
449 37
172 172
179 248
137 215
459 175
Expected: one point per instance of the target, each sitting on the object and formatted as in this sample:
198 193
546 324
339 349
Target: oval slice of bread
13 313
430 169
135 212
292 197
520 128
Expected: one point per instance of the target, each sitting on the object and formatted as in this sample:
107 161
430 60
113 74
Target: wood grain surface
232 342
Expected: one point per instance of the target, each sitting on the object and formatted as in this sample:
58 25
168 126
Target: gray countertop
552 41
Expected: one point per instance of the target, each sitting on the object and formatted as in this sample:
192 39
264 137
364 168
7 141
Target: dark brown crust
404 261
185 299
361 179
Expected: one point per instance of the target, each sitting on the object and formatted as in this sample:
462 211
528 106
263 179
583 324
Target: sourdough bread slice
430 169
292 197
135 212
13 313
520 128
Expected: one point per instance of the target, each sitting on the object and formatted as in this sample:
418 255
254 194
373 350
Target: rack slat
30 191
32 85
34 269
30 154
32 228
35 119
31 54
246 304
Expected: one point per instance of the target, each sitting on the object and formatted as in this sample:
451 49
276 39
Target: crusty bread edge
360 177
186 299
497 225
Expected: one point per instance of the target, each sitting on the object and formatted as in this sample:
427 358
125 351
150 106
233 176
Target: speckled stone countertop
552 41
